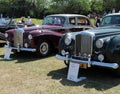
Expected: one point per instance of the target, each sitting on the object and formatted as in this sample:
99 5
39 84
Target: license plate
83 66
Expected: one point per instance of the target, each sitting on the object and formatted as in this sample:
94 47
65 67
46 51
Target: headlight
68 40
26 45
99 43
63 52
101 57
30 37
6 35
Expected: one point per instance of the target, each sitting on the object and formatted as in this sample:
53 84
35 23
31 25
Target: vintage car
45 38
6 24
94 47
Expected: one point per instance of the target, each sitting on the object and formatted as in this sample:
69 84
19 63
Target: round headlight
30 37
68 40
101 57
63 52
99 43
26 45
6 35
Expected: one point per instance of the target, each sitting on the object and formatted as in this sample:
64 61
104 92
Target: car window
72 20
106 21
115 20
82 21
4 21
54 20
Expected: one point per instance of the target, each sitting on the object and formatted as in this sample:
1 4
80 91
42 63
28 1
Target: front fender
113 49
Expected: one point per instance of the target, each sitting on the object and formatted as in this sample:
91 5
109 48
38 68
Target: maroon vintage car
44 38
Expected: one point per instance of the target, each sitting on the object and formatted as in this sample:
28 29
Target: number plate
83 66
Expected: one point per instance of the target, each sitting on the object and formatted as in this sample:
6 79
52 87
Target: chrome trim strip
96 63
21 49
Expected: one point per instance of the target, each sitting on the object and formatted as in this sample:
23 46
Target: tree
70 6
108 5
41 8
96 6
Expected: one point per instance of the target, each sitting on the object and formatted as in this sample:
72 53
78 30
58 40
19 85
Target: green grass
30 74
34 20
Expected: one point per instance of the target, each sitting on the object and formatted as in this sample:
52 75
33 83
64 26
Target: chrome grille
84 42
18 38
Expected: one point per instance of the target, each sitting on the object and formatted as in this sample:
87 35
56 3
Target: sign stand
73 72
7 54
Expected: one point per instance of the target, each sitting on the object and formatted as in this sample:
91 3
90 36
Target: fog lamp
63 52
30 37
26 45
101 57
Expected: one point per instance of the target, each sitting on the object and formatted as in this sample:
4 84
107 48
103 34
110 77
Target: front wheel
44 48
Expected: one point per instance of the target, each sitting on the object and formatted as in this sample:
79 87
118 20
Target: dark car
94 47
6 24
44 38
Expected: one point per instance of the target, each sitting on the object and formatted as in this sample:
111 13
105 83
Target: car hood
99 31
32 28
105 30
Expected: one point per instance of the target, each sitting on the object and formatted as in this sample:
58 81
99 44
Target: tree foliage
41 8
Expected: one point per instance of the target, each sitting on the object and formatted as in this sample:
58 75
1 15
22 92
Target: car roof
69 15
113 14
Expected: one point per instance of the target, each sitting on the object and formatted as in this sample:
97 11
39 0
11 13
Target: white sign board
73 72
7 54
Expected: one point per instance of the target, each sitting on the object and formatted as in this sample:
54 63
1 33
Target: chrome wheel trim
44 48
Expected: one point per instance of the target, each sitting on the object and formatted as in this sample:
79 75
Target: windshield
53 20
4 21
110 20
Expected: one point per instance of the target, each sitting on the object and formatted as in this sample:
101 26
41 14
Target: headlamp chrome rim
63 52
101 57
26 45
68 40
30 37
99 43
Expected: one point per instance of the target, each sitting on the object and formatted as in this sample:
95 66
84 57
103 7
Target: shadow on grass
99 78
25 57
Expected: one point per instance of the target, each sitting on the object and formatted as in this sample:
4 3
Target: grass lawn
30 74
35 21
27 73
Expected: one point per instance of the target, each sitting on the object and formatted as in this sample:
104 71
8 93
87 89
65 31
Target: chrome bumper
96 63
21 48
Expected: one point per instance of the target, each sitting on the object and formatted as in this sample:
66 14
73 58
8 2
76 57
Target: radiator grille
84 44
18 38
